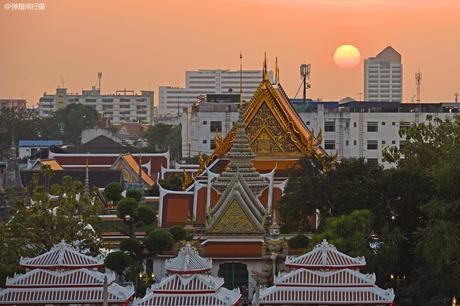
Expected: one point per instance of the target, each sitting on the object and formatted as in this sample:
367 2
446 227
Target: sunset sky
143 44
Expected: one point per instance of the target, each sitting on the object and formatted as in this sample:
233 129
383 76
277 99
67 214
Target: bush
179 233
132 246
117 261
127 206
147 215
158 241
298 242
113 192
134 193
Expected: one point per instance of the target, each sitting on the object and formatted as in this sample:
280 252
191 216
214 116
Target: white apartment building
352 129
383 77
123 106
202 82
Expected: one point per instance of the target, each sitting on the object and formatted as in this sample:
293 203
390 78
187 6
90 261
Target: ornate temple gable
237 211
273 127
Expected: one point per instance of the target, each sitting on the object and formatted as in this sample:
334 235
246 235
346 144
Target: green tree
132 246
349 233
74 118
118 262
38 223
158 241
178 233
135 194
172 183
16 124
113 191
163 137
298 242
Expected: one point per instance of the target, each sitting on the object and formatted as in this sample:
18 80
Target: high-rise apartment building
202 82
383 77
123 106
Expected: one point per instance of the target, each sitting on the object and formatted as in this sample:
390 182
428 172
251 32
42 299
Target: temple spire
86 190
265 72
241 80
240 158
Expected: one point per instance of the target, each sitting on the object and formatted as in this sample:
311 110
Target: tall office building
203 82
383 77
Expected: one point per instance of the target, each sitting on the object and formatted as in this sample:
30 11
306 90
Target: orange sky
144 44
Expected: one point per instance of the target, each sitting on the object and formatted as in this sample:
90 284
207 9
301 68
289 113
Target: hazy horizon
144 44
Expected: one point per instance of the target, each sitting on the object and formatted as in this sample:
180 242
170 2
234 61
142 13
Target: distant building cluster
13 103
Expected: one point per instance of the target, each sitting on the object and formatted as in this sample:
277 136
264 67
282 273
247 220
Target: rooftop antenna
456 97
99 77
62 82
418 83
305 70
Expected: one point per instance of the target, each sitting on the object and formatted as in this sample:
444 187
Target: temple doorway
235 274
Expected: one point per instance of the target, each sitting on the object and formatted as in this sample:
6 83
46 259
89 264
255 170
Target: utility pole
305 71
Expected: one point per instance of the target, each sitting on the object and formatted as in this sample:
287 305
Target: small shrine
325 276
188 283
64 276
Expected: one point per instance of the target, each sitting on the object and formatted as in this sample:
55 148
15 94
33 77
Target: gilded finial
276 71
265 72
241 80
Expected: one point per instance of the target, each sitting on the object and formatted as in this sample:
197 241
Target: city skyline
150 44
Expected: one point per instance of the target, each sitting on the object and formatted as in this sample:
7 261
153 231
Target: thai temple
230 203
64 276
231 199
188 283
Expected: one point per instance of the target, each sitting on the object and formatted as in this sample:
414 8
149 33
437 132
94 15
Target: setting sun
347 56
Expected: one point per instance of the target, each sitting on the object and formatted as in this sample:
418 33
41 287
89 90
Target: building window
372 161
346 142
205 141
404 125
383 142
205 122
307 122
329 126
383 122
372 144
402 144
347 124
393 123
393 142
216 126
354 124
354 142
212 145
372 126
329 144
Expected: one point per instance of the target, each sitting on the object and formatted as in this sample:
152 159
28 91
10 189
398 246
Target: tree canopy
404 219
162 137
38 223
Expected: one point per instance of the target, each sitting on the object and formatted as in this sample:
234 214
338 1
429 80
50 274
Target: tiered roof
186 287
328 282
62 256
241 156
238 210
188 261
325 256
61 276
